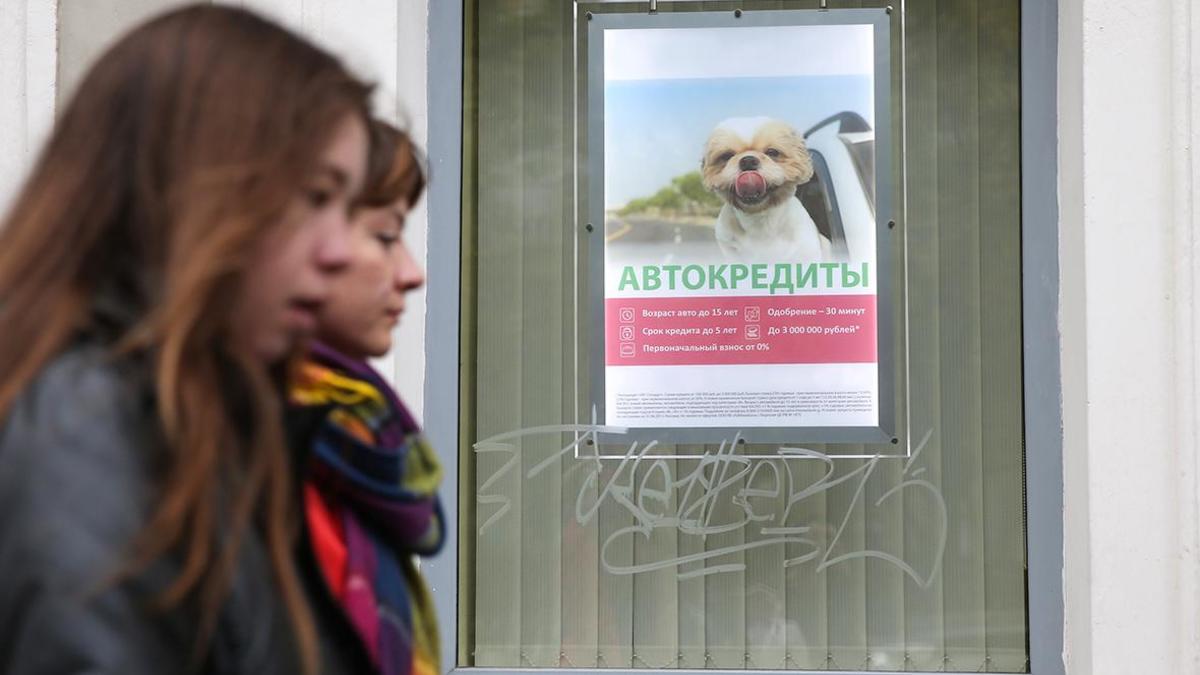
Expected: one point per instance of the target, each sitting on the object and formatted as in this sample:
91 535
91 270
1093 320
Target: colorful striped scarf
371 505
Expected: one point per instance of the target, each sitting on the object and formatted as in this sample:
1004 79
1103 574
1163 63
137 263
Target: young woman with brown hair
173 244
370 494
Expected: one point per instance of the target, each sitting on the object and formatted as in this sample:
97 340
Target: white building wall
86 29
1129 75
28 69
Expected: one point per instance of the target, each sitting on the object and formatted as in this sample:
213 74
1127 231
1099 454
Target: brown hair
181 148
395 169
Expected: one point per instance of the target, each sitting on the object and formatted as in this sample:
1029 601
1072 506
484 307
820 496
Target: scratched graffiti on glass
767 493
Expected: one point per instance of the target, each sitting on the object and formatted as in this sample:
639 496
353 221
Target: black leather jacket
78 459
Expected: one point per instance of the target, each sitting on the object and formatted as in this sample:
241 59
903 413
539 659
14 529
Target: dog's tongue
750 185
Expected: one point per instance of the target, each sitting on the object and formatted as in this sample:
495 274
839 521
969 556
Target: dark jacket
79 458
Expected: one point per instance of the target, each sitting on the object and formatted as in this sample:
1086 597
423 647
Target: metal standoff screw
589 16
889 9
588 227
737 13
895 441
891 224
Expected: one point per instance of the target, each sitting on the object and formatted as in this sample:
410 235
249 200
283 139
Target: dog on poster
755 165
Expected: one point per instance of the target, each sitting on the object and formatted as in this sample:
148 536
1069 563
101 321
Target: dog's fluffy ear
806 163
796 150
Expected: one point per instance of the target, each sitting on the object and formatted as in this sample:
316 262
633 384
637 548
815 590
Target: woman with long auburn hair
371 478
168 253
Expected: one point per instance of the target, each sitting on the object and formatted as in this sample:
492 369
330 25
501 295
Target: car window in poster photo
740 229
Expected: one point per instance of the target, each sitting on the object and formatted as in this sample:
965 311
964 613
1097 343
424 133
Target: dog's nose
748 163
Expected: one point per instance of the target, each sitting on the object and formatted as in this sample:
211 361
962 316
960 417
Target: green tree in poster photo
685 196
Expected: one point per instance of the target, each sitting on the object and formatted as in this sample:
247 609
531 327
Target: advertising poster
740 272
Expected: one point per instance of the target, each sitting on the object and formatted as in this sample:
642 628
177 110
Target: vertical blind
546 583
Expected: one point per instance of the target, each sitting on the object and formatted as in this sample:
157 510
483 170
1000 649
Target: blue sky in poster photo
666 89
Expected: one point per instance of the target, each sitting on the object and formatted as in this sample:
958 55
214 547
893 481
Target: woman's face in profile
289 277
367 298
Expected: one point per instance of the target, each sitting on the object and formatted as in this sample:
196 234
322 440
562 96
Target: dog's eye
773 153
723 157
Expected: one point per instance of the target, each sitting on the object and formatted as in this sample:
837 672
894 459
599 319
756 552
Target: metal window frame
1040 309
593 248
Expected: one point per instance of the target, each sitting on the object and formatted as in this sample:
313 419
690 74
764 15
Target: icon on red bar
626 332
752 332
626 314
752 313
627 350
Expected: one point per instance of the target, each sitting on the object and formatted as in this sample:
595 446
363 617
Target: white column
288 12
28 70
363 33
412 48
88 28
1129 77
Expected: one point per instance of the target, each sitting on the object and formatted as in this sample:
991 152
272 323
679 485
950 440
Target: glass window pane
912 564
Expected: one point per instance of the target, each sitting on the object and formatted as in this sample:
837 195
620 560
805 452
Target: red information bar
740 330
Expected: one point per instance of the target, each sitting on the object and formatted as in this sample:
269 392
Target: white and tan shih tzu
755 165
